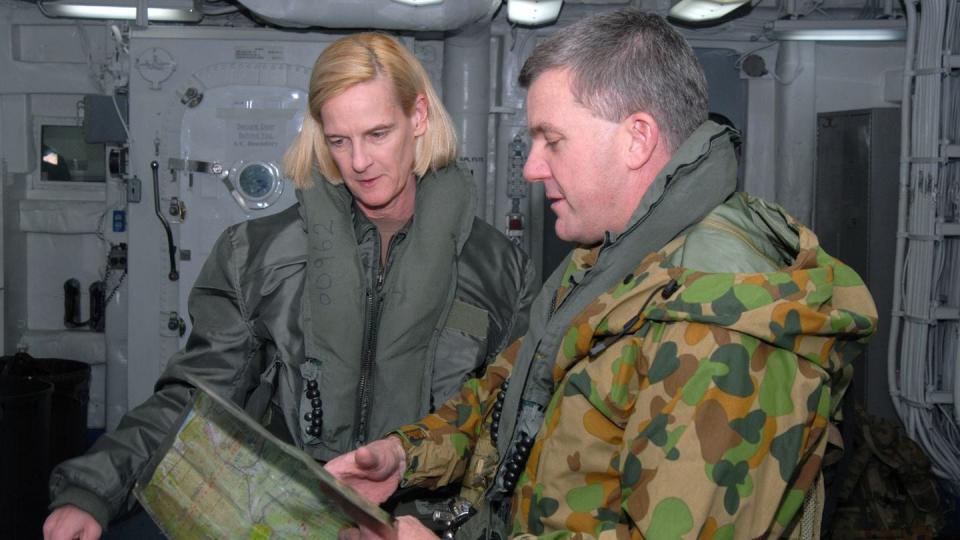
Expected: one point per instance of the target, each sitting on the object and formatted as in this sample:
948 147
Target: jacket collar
707 158
445 190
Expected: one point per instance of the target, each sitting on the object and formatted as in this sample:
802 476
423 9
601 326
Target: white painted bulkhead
253 83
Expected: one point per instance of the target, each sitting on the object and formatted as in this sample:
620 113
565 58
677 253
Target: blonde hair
353 60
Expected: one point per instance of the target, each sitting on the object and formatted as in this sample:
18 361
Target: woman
347 315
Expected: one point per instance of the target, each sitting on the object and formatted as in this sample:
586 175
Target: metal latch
176 323
178 208
458 513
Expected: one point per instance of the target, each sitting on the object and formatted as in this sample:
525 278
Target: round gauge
256 181
259 183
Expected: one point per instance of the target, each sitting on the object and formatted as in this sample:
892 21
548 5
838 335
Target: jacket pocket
257 404
461 350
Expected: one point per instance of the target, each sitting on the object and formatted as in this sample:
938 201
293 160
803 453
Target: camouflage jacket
687 403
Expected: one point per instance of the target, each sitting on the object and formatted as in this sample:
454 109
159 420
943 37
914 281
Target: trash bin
24 441
68 406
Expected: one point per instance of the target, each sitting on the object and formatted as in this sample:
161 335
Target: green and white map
224 476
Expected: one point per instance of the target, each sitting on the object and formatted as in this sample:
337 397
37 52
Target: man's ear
643 138
420 115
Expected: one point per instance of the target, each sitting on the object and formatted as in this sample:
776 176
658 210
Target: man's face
579 158
373 143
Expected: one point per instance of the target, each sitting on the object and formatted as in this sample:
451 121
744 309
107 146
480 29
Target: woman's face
373 144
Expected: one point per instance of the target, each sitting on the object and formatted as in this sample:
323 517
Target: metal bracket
191 165
134 190
208 167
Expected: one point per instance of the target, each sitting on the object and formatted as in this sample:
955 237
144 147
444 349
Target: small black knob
671 288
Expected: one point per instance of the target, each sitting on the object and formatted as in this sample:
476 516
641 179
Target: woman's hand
71 523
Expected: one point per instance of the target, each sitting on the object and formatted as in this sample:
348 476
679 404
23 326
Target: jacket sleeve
221 350
439 446
722 435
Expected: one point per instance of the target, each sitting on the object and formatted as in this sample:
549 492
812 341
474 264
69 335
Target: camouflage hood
811 304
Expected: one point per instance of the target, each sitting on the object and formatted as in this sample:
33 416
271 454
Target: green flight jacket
248 334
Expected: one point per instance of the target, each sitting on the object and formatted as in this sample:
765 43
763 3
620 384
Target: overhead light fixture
833 30
157 10
703 10
419 3
533 12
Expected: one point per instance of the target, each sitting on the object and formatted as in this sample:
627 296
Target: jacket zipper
373 303
366 364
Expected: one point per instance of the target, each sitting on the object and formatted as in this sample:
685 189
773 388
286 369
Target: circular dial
259 183
256 181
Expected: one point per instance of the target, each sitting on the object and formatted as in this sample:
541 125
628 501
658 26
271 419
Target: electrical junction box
101 122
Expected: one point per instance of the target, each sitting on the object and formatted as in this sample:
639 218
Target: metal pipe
382 14
466 95
796 125
115 336
143 18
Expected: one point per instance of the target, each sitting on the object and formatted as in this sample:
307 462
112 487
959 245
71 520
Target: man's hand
373 470
69 523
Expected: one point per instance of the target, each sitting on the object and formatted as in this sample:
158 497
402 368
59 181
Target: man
681 366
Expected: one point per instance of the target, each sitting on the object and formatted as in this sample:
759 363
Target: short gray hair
626 61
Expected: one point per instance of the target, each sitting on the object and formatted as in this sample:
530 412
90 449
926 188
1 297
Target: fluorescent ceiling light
170 11
832 30
703 10
533 12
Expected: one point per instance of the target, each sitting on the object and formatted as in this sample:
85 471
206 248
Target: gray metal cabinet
855 217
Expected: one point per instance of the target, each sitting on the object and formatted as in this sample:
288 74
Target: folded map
223 475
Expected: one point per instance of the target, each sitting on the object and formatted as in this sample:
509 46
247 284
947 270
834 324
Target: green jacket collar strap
699 177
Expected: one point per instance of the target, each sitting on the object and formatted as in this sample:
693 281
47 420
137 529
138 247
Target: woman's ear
644 138
421 117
